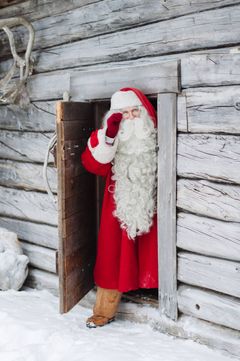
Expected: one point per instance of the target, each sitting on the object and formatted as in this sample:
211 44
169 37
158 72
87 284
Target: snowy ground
31 329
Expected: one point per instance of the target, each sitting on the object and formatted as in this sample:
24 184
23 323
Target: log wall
74 46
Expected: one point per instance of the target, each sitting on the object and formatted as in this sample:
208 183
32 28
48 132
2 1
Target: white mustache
135 126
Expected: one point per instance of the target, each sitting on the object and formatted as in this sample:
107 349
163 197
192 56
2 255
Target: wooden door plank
76 202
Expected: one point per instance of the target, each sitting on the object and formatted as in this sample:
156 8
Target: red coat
121 263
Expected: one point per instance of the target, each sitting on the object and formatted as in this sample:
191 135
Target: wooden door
76 203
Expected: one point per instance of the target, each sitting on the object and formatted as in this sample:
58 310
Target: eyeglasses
135 112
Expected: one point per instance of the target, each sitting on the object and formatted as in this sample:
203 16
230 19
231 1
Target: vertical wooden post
166 106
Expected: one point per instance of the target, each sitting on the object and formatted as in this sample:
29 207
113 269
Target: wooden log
37 10
24 146
162 37
27 205
38 117
207 156
40 257
26 175
39 234
210 306
131 13
42 280
215 109
208 272
210 69
209 199
208 236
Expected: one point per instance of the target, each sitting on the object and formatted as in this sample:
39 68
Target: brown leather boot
105 308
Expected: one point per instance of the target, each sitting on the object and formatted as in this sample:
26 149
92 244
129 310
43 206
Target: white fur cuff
103 152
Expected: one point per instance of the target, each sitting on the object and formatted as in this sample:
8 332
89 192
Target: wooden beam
37 117
26 175
209 156
51 19
210 306
167 205
209 272
215 200
209 237
27 205
39 234
214 109
24 146
42 280
40 257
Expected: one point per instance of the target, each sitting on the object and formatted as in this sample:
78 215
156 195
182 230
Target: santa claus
124 150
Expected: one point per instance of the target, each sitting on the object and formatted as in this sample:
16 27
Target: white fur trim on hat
123 99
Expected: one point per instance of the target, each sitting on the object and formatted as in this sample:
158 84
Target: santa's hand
113 123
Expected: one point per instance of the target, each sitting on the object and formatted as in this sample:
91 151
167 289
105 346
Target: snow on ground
31 329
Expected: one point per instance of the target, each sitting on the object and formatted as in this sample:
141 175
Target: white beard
135 174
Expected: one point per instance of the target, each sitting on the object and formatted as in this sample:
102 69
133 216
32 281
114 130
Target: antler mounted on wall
15 92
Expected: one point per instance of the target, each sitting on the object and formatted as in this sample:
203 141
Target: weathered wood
210 69
42 280
40 257
209 199
213 273
163 37
8 3
210 306
215 109
182 121
167 205
77 214
27 205
208 236
24 146
206 156
39 9
70 21
26 175
158 77
96 84
40 234
39 116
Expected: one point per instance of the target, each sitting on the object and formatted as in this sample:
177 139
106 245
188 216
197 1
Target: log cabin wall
75 37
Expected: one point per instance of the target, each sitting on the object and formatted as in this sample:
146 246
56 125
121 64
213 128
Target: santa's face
134 171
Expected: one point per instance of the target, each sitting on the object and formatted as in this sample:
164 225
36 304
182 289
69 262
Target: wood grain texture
210 306
219 201
27 205
28 176
207 156
167 204
24 146
42 280
40 257
162 37
213 109
74 20
76 211
37 233
38 117
209 272
209 237
210 69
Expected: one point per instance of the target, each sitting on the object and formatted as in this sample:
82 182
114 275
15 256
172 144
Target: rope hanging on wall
12 88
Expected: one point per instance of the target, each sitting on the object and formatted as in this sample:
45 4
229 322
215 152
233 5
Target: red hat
144 101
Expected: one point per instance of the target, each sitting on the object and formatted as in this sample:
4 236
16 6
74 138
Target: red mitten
113 124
